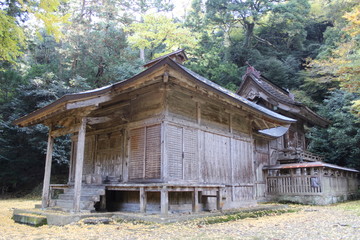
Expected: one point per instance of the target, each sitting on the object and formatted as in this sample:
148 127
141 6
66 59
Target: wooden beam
198 112
88 102
79 164
166 77
97 120
47 175
67 130
164 151
143 200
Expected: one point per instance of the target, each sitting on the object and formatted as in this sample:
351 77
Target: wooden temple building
169 139
284 170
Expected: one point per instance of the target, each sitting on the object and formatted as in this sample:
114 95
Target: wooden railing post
47 174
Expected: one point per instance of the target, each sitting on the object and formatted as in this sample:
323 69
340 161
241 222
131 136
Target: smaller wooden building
284 169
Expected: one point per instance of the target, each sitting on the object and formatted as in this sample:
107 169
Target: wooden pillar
79 164
195 200
321 179
103 203
218 199
164 199
143 200
47 175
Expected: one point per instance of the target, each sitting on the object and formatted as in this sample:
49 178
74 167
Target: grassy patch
353 206
243 215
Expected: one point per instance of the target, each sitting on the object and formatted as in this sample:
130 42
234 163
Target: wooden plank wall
207 142
182 152
216 166
106 151
109 155
88 156
262 158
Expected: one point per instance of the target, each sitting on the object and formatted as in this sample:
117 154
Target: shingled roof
281 95
61 104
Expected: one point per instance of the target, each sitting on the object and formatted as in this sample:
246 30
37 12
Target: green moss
30 219
243 215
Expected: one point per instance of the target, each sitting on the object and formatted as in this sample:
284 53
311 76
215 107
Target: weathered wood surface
262 159
294 184
47 175
173 135
145 151
79 164
109 155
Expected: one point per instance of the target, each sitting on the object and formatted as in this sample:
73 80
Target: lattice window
182 151
145 153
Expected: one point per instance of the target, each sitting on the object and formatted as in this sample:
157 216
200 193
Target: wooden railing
311 185
300 155
291 185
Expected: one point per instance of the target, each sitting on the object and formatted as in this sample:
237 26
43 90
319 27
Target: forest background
49 48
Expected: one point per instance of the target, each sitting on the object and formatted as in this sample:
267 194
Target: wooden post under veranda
47 175
79 164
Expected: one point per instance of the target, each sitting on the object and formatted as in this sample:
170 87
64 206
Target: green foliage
23 150
248 13
12 38
12 34
159 33
9 80
339 142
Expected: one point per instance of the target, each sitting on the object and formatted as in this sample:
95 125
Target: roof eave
30 119
284 121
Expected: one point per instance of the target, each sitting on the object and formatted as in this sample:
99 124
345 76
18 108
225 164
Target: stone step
31 219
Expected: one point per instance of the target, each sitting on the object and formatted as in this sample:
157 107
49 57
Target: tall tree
160 34
339 142
248 13
14 12
341 64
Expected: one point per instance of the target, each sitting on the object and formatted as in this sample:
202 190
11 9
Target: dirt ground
341 221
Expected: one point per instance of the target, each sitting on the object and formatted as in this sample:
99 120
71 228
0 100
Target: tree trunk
142 54
249 32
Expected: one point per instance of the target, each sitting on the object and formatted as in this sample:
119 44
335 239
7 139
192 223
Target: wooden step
90 197
31 219
68 204
87 191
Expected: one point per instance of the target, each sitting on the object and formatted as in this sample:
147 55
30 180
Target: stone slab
30 219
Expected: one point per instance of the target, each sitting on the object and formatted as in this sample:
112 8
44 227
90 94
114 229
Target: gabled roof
178 54
281 95
101 94
237 97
